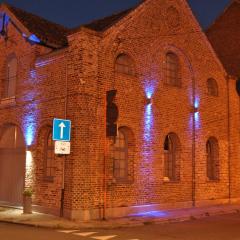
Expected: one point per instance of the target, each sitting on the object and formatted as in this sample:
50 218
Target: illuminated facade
177 144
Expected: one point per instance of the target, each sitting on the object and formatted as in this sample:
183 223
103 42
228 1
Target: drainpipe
104 162
229 139
193 141
65 156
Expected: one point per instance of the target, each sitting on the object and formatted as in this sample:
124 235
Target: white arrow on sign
62 126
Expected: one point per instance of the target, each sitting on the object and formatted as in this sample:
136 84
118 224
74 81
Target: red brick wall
88 66
39 98
146 39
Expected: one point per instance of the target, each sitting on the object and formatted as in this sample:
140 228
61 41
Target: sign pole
65 157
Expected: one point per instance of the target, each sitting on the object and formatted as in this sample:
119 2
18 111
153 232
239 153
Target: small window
171 158
9 86
212 151
124 64
49 168
172 70
212 87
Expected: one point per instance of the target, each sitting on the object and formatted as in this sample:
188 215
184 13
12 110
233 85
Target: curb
134 222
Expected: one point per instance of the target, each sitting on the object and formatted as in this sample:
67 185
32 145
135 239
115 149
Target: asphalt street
225 227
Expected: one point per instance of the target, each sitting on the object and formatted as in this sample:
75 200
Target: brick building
177 143
227 47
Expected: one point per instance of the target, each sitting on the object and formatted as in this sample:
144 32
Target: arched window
11 77
172 69
124 64
172 158
49 160
122 153
212 87
212 151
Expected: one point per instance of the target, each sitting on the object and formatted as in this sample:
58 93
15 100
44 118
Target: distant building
148 72
224 36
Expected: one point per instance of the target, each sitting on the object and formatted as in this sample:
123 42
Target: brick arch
46 185
41 141
4 126
131 61
133 78
42 126
212 87
10 56
107 59
113 48
162 49
131 53
9 88
129 132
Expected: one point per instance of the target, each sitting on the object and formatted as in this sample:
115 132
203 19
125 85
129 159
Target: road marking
67 231
84 234
104 237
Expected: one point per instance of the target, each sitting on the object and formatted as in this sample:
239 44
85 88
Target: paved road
226 227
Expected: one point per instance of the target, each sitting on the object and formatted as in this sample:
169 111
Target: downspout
193 141
104 162
65 156
116 45
229 139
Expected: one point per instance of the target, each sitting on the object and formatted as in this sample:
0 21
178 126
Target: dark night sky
72 13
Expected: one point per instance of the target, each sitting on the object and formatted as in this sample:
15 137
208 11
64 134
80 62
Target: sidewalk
11 215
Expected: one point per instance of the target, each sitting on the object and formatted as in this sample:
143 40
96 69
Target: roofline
205 38
131 10
23 29
222 13
84 29
83 26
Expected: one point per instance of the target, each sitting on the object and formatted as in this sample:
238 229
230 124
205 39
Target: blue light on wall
196 113
7 19
196 102
4 18
31 115
42 63
148 124
151 214
33 74
149 89
29 126
34 38
146 167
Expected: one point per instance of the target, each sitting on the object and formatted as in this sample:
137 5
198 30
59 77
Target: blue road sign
61 130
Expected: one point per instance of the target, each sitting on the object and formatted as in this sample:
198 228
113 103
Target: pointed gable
104 23
37 28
